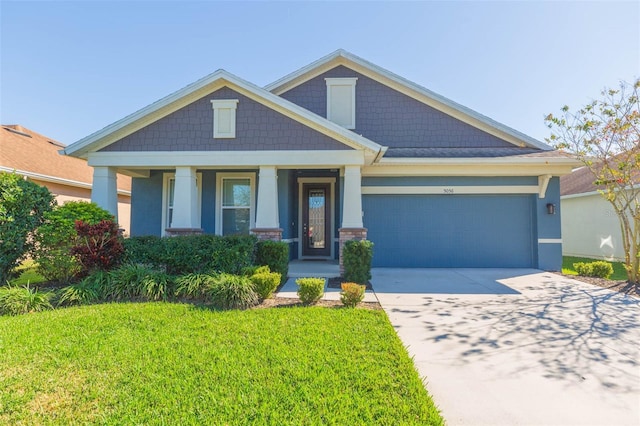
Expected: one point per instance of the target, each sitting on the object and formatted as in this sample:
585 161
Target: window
235 203
224 118
168 195
341 101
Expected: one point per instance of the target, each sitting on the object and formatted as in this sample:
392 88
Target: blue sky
68 69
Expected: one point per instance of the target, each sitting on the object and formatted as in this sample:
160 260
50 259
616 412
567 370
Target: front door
316 219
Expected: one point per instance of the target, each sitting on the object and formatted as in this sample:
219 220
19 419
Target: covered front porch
313 209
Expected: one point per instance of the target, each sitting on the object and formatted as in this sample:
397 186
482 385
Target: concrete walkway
516 347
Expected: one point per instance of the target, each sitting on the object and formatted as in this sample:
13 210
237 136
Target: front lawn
27 274
619 272
162 363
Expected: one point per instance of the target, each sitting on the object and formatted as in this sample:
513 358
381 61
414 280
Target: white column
352 198
267 204
185 199
104 191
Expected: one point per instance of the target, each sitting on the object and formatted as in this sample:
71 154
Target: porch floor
314 268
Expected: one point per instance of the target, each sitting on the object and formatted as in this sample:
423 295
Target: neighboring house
340 149
590 225
37 157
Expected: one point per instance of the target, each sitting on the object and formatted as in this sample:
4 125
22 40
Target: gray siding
257 128
391 118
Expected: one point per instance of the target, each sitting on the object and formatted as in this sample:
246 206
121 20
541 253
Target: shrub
310 290
265 283
351 294
57 235
23 205
127 282
157 286
192 286
99 245
274 254
85 292
599 269
249 271
192 253
356 258
22 300
146 250
233 253
232 292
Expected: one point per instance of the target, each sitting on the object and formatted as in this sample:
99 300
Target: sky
67 69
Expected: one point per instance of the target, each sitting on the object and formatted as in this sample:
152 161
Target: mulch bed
621 286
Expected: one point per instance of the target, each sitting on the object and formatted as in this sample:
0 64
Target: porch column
104 191
267 220
352 228
185 202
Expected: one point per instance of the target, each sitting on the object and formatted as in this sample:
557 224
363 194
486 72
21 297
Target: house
340 149
590 225
36 157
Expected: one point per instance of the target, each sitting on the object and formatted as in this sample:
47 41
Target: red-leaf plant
99 245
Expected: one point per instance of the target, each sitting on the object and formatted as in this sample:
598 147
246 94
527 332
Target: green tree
605 136
57 235
23 205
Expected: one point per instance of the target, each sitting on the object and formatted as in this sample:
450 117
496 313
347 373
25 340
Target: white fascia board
209 159
409 88
53 179
194 91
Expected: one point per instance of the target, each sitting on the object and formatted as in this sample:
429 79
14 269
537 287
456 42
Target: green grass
27 274
619 272
162 363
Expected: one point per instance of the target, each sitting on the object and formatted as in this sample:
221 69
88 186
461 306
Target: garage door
450 231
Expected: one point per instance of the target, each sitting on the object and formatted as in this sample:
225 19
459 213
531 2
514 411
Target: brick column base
273 234
174 232
348 234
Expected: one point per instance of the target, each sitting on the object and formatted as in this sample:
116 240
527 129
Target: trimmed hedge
193 253
600 269
356 258
275 255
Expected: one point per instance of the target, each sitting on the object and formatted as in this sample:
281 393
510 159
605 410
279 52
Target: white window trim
217 105
165 200
351 81
252 208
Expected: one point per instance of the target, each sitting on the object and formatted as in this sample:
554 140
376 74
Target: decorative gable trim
407 87
203 87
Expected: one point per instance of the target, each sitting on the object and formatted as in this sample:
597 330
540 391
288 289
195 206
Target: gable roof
409 88
203 87
34 155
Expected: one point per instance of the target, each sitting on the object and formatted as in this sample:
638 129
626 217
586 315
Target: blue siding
391 118
549 226
449 181
208 216
450 231
146 205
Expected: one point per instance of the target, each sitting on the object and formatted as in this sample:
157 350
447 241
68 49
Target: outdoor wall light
551 208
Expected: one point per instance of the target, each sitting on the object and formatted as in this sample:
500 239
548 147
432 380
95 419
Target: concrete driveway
515 347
